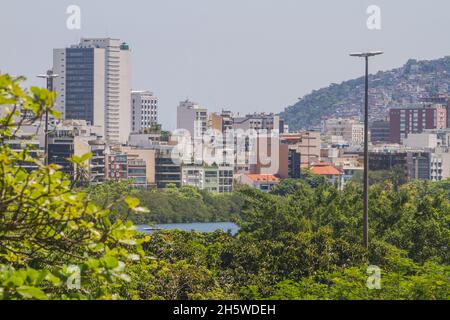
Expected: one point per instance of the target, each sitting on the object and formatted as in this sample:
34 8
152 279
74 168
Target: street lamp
366 56
49 76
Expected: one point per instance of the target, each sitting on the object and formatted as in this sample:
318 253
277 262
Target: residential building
263 182
193 118
387 159
427 165
415 119
144 111
307 144
30 137
333 174
147 155
351 130
259 122
419 165
216 179
294 164
76 138
271 158
167 171
424 140
94 84
122 166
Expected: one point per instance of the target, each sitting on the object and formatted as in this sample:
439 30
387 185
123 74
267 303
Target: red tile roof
262 177
325 169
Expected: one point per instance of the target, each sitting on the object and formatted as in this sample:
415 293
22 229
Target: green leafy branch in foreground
46 227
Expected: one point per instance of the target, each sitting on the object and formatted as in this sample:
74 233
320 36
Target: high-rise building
415 119
94 84
192 117
144 111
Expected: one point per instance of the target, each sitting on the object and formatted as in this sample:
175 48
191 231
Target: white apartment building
94 84
192 117
213 179
144 110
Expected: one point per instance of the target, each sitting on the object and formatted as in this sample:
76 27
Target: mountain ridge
408 84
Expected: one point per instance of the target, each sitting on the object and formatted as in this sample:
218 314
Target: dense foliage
302 241
171 205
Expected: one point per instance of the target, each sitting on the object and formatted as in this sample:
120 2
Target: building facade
127 167
416 119
94 84
216 179
144 111
193 118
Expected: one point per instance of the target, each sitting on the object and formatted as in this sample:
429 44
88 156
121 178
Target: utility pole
49 76
366 56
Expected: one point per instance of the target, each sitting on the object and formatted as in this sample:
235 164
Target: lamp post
366 56
49 76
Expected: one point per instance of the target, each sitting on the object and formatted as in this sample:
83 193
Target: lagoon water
199 227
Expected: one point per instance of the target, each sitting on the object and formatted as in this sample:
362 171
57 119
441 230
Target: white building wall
59 68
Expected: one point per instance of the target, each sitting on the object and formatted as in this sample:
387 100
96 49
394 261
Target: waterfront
198 226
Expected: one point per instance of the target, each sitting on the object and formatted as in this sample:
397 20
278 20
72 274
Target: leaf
86 157
132 202
31 293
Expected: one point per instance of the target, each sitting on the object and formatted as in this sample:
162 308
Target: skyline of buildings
101 114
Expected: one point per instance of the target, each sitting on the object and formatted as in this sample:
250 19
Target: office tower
144 111
415 119
94 85
192 117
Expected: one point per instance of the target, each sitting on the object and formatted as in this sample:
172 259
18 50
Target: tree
47 227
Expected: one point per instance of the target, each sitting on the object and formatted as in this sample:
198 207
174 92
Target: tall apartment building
192 117
144 111
415 119
94 84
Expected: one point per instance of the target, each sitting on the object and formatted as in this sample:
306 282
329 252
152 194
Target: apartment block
94 85
415 119
144 111
193 118
127 167
216 179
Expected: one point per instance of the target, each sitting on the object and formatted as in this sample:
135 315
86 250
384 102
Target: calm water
200 227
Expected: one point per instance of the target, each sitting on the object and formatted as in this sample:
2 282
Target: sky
240 55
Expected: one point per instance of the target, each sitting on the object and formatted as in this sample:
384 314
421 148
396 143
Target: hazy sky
243 55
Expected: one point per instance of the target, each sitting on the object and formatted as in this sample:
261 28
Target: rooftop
262 177
325 169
